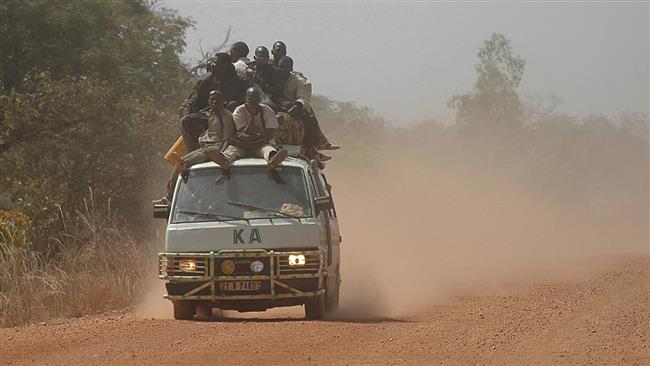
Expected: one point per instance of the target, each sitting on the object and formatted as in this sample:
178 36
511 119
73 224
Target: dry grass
94 266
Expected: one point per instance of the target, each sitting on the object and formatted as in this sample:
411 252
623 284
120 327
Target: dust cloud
433 218
419 225
153 305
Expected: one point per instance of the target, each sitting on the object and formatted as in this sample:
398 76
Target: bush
94 266
13 228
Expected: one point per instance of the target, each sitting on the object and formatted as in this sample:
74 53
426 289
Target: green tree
89 100
493 105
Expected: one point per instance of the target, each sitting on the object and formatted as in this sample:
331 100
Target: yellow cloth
178 147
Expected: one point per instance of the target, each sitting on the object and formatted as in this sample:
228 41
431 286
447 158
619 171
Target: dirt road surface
603 318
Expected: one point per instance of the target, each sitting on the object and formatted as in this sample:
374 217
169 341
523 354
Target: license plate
240 285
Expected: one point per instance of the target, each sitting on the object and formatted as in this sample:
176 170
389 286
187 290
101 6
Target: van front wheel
332 303
204 313
184 310
315 308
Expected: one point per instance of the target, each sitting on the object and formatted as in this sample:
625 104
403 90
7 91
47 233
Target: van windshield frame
208 194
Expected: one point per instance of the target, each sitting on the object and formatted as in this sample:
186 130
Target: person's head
252 98
261 55
219 64
285 66
216 100
279 51
238 50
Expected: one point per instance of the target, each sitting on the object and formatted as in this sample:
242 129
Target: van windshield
243 193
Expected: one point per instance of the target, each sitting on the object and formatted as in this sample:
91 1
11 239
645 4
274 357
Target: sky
405 59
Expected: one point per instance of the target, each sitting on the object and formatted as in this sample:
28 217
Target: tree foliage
493 103
90 91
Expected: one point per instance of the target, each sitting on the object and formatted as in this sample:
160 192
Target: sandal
277 159
161 201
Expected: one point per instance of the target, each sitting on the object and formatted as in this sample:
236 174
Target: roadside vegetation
89 96
93 265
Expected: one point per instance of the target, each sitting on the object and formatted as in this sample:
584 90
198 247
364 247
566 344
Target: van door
334 233
330 221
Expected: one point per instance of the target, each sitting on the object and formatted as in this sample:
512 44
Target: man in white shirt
255 125
239 57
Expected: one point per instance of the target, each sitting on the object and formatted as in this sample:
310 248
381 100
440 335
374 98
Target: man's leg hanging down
192 126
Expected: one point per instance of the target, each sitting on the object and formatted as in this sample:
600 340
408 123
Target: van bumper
282 281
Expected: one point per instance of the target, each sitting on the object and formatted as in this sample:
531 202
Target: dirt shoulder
602 319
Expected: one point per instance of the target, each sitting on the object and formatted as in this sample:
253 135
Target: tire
204 313
315 308
184 310
332 303
217 314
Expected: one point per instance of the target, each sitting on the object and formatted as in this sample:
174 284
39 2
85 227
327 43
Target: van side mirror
323 203
160 211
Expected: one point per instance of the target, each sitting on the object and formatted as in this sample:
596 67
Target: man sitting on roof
239 57
218 127
296 89
221 76
255 125
279 50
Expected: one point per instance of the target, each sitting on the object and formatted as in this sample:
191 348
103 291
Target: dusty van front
247 239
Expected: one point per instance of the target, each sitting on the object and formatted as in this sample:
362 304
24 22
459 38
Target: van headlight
187 265
297 260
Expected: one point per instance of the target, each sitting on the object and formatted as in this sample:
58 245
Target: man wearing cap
278 51
255 125
239 58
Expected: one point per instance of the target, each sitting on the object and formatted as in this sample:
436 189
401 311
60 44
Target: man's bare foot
277 159
218 158
328 146
322 157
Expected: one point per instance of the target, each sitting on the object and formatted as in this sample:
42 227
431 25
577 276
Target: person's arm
240 118
303 92
302 87
199 98
270 122
228 125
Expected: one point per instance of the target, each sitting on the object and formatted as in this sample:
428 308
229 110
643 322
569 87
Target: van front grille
199 265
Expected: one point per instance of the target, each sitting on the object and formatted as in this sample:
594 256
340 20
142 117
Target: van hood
255 234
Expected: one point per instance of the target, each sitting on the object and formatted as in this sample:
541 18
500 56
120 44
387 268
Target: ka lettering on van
238 236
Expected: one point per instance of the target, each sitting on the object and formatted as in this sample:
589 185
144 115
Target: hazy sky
405 59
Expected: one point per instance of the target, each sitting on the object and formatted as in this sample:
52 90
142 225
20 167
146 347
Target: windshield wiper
253 207
217 216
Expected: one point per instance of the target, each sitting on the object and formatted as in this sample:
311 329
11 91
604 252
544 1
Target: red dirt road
602 319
